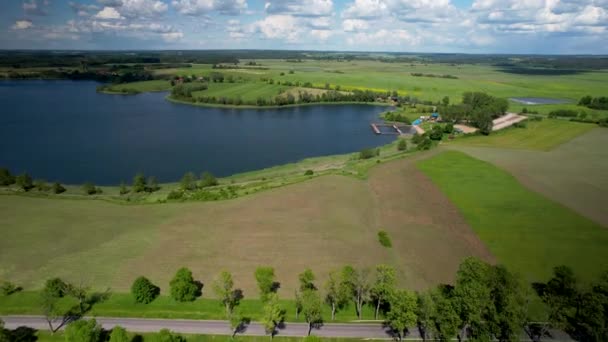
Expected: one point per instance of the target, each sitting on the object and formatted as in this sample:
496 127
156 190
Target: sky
445 26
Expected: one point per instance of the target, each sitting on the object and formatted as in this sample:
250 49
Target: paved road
209 327
367 330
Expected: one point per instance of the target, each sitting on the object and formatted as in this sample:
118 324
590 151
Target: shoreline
218 105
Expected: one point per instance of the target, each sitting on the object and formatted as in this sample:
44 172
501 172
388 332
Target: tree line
485 303
477 108
26 183
594 102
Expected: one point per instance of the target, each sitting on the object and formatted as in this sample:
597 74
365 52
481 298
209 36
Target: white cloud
280 26
304 8
355 25
321 34
22 25
82 10
366 9
384 37
108 13
200 7
172 36
34 8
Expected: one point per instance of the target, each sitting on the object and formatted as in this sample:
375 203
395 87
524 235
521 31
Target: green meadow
526 231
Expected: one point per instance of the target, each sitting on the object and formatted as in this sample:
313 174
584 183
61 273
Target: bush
436 133
152 184
425 144
55 287
448 129
188 181
24 181
417 138
165 335
58 188
175 195
139 183
402 145
7 288
90 189
119 334
563 113
41 185
207 180
144 291
369 153
83 331
308 173
384 239
183 286
6 178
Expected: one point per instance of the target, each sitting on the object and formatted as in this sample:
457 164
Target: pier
391 129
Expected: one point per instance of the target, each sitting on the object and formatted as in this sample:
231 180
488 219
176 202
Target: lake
65 131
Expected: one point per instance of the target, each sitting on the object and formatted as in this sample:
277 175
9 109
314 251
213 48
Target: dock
390 129
375 128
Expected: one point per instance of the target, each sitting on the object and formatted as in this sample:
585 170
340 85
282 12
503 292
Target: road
210 327
367 330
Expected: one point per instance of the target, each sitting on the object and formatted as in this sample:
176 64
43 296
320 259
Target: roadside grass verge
123 305
527 232
538 135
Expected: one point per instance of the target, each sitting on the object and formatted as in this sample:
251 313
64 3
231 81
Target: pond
538 100
64 131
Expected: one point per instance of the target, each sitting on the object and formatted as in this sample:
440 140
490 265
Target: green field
143 86
379 76
524 230
246 91
538 135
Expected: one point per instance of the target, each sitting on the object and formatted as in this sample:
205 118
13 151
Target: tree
152 184
425 312
89 188
183 286
165 335
123 190
55 287
446 319
238 322
24 181
508 311
224 290
273 315
383 287
188 181
6 178
311 308
335 296
446 101
83 331
436 133
448 129
58 188
402 145
307 279
357 285
119 334
265 278
207 180
144 291
7 288
402 313
4 334
139 183
472 295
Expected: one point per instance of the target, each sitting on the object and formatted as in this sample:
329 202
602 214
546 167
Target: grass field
524 230
574 174
380 76
538 135
246 91
144 86
316 224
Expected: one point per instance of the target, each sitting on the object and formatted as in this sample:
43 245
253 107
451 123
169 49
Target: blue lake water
64 131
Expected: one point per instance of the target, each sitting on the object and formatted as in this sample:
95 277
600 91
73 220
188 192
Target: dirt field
574 174
323 224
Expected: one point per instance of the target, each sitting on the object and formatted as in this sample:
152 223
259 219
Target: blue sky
470 26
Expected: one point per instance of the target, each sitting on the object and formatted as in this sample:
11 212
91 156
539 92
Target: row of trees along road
485 303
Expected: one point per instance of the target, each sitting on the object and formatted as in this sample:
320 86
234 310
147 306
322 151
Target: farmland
524 230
